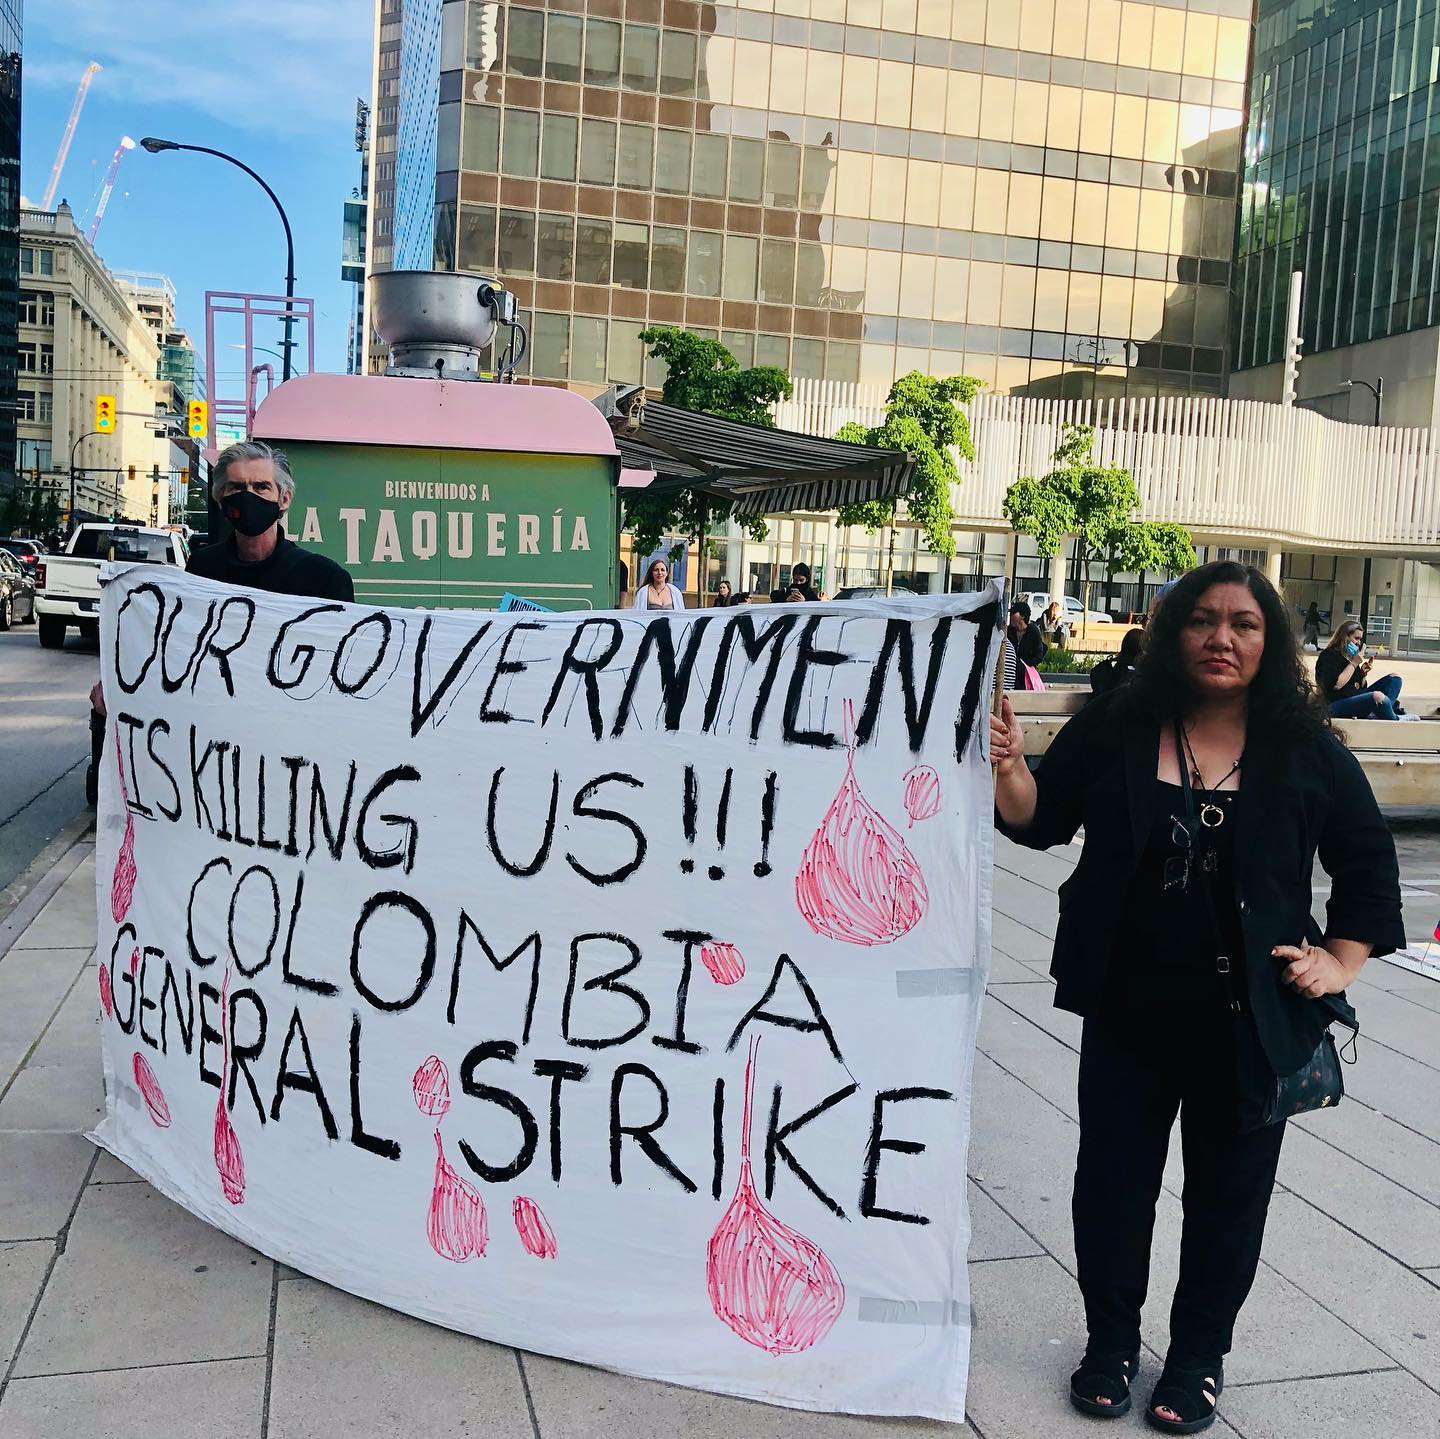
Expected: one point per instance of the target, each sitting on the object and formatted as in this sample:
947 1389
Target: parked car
28 553
17 592
1071 609
69 584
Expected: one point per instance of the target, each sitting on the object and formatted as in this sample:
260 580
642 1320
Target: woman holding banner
1206 787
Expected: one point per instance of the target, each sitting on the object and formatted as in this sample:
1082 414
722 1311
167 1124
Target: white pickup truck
67 586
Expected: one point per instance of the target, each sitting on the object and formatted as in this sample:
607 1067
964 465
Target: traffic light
196 421
105 414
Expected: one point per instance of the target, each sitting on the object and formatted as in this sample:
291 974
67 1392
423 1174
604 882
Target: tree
923 418
703 376
1095 503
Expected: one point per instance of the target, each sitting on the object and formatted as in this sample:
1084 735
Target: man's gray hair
252 450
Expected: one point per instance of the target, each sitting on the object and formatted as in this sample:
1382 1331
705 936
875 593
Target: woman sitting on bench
1343 674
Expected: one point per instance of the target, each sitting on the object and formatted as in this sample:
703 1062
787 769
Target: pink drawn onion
534 1229
725 963
922 793
150 1090
858 881
770 1284
107 995
229 1161
122 882
432 1087
456 1225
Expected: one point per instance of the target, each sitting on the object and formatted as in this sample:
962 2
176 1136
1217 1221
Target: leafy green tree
703 376
922 417
1096 504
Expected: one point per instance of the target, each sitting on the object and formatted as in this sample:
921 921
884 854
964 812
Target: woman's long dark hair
1282 699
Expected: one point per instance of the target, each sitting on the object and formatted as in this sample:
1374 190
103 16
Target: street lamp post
73 449
1378 391
154 146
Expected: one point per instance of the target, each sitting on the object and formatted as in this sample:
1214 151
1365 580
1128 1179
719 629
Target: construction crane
126 143
91 70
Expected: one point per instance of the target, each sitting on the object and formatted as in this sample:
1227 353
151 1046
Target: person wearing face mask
253 488
1343 674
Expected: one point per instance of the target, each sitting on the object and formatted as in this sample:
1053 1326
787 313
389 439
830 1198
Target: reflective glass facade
1342 174
1041 193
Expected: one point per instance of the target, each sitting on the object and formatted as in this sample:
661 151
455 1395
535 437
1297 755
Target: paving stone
74 1034
22 1272
993 1233
1028 903
1005 970
68 920
33 983
142 1281
1037 1004
1029 1335
1392 1020
40 1175
1389 1305
575 1402
1433 1275
1021 942
1392 1403
1424 992
1397 1086
1032 1055
55 1098
109 1170
1385 1145
327 1381
180 1401
1397 1221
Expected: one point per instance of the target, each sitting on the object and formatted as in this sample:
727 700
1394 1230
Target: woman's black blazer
1298 798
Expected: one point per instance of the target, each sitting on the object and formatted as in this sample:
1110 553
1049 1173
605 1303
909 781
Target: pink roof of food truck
433 414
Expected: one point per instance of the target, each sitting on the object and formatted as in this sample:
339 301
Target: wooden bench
1401 761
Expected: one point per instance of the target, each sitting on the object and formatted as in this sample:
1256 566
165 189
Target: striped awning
758 470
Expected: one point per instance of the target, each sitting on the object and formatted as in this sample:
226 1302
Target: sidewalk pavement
122 1317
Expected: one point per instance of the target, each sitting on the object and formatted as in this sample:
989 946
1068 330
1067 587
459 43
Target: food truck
438 485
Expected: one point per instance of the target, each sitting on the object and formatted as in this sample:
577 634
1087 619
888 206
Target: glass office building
10 21
1341 174
1040 193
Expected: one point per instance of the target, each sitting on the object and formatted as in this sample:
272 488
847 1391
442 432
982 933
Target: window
27 260
587 349
37 307
480 147
672 161
742 263
597 152
550 346
555 245
520 150
777 272
118 544
44 407
642 57
747 170
27 354
627 353
704 276
477 238
710 161
517 243
389 115
558 138
782 175
525 42
33 454
25 404
592 252
667 259
45 262
636 168
562 51
389 59
677 62
602 56
632 256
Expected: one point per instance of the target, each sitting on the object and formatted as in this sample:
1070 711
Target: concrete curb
27 895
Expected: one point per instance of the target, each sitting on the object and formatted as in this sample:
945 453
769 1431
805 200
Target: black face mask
250 514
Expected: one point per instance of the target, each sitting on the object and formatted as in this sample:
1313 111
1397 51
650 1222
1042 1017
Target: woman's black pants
1137 1070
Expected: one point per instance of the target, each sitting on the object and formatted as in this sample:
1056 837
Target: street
44 742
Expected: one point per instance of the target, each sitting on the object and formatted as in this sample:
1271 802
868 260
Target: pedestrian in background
1112 673
1206 787
1343 674
1053 628
657 593
1312 626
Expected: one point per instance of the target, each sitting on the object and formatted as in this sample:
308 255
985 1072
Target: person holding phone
1206 788
1343 673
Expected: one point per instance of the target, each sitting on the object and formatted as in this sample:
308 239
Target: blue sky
273 82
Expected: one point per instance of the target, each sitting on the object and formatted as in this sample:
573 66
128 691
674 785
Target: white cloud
277 67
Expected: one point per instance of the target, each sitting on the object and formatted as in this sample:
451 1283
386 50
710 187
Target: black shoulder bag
1269 1098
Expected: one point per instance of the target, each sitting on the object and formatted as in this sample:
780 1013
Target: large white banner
603 985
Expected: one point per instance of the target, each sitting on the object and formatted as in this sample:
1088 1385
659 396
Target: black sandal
1190 1392
1101 1385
